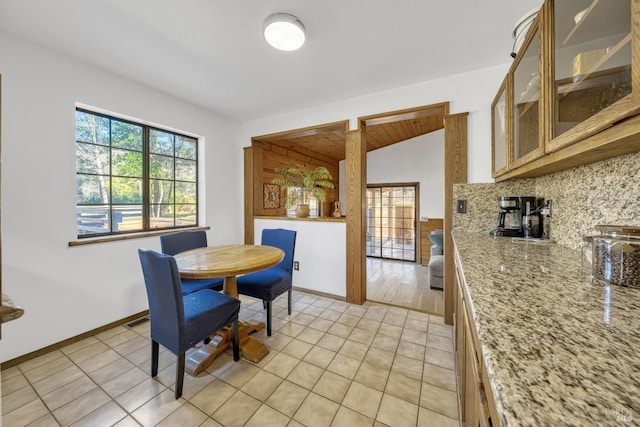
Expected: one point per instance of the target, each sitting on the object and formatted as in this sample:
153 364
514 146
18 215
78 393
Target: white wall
67 291
467 92
419 159
470 92
320 250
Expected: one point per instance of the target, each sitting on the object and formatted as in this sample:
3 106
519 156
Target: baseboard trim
37 353
318 293
406 308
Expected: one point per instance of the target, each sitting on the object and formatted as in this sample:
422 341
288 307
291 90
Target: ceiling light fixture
284 31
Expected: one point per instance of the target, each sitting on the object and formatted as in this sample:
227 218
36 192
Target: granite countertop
558 349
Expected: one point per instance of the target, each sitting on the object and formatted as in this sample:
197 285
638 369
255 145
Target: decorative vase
302 211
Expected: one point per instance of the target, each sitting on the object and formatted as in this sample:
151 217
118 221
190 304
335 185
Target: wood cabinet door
460 343
500 129
473 382
591 67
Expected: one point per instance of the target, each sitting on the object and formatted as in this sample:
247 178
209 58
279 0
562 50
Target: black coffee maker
518 217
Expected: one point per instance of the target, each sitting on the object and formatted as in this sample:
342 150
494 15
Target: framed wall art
271 198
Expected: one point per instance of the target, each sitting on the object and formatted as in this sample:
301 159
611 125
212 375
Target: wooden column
0 193
455 159
635 51
356 185
252 189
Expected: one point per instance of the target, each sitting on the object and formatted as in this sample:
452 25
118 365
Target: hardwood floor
404 284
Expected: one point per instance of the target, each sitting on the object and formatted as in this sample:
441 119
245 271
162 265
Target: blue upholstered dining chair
272 282
175 243
178 321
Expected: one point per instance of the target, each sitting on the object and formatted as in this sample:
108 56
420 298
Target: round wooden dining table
228 262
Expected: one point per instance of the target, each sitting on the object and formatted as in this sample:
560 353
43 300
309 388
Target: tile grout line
111 398
342 309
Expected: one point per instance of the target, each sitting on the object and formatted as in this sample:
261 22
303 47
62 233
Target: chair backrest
164 292
175 243
437 238
283 239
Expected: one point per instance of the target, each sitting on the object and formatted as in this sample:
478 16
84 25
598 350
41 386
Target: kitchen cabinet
476 404
499 129
535 323
459 342
572 95
526 106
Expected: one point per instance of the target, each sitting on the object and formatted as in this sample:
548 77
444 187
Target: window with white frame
132 177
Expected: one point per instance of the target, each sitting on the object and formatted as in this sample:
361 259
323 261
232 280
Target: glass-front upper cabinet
499 129
527 143
592 66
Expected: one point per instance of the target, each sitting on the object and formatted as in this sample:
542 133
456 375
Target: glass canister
616 255
586 258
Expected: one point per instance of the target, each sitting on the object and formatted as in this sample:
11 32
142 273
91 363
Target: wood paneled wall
274 156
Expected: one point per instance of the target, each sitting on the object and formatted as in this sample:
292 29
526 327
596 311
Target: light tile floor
330 364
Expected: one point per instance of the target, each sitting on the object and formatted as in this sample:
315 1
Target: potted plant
309 182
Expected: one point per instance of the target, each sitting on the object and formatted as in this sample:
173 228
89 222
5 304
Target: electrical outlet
296 265
461 206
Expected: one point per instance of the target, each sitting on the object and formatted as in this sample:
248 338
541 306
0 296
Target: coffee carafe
531 225
518 217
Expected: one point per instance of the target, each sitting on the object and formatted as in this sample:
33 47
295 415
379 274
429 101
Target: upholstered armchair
436 261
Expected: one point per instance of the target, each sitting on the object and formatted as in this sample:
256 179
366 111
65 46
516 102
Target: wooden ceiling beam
327 141
337 128
403 115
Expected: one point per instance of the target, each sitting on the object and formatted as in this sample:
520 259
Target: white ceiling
211 52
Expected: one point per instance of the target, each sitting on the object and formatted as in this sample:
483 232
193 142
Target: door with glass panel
391 221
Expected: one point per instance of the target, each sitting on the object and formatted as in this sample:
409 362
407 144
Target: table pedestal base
199 359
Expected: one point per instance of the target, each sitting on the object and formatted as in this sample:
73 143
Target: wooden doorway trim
252 189
414 121
455 172
325 143
356 193
455 129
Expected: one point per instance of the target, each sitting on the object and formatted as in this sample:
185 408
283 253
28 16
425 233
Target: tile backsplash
482 206
606 192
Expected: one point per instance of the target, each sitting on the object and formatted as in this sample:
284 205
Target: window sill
309 218
140 235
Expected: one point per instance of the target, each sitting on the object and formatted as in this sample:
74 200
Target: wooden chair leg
236 341
179 375
289 302
155 349
269 310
